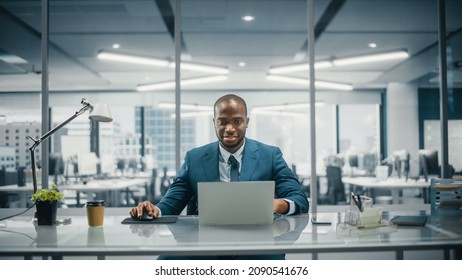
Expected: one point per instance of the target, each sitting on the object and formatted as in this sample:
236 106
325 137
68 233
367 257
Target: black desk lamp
98 112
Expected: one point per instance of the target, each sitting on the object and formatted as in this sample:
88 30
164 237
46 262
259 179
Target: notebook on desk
235 203
407 220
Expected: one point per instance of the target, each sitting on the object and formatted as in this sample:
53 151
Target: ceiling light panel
291 68
129 58
402 54
185 106
12 59
306 82
201 68
185 82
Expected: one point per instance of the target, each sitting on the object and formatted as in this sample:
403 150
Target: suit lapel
210 163
249 160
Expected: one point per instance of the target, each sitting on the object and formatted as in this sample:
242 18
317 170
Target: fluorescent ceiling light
333 85
203 80
156 86
186 106
290 68
12 59
286 79
185 82
279 113
401 54
284 109
137 59
193 114
105 55
306 82
288 106
201 67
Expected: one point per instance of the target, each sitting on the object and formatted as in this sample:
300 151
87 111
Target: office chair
335 187
4 200
165 182
304 182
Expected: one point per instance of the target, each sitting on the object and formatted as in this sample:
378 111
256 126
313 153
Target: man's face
230 124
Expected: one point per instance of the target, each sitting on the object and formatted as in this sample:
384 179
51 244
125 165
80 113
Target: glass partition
454 81
123 53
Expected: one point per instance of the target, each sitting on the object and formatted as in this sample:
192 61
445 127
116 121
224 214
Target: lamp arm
48 134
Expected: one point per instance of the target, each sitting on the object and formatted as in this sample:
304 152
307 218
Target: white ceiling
214 33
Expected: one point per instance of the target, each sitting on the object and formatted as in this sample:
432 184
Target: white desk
295 234
24 193
395 185
113 188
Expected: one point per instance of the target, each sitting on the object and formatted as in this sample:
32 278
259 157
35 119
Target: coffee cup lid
96 203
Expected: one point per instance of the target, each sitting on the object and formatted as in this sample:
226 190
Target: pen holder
363 202
370 217
361 213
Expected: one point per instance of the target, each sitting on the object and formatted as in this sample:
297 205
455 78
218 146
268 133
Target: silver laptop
235 203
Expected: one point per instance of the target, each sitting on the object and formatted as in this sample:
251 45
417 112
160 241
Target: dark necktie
234 174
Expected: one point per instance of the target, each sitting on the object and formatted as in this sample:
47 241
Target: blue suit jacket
260 162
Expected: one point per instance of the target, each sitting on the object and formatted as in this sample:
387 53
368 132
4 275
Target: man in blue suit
210 163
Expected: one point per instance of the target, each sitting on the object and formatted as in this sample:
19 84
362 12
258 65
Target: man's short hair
228 98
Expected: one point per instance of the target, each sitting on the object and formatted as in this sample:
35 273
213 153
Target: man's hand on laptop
144 207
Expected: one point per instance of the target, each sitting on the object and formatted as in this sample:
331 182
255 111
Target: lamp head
98 112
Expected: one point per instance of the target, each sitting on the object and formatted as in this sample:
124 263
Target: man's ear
247 120
213 121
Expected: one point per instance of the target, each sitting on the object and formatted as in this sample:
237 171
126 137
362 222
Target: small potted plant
46 203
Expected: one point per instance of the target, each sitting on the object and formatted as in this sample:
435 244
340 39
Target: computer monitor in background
401 162
107 164
397 165
353 160
407 165
334 160
369 163
56 166
87 164
429 164
353 163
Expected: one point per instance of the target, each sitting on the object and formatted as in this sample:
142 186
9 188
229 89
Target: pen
360 203
353 196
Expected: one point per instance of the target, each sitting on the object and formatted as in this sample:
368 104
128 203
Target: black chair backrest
335 186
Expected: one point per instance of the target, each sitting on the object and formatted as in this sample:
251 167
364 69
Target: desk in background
395 185
293 234
111 190
24 193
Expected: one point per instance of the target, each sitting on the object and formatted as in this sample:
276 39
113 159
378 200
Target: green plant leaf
47 194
